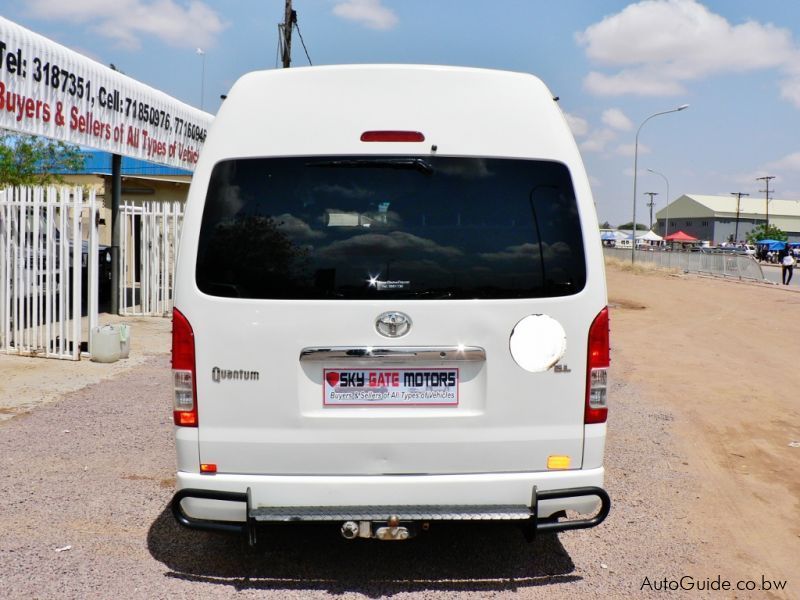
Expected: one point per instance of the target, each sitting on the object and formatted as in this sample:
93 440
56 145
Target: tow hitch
392 529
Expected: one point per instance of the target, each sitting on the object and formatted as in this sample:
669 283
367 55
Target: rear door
356 315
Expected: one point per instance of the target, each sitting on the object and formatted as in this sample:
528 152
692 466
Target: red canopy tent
679 236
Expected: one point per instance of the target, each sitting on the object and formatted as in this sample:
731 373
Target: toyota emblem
393 324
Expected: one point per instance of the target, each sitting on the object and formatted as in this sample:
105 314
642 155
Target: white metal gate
42 256
149 234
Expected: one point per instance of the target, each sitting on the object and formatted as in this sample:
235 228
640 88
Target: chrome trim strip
397 353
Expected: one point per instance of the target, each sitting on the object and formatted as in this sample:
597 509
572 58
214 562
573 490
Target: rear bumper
234 503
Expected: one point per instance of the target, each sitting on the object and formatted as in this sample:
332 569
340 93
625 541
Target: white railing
723 264
42 255
149 234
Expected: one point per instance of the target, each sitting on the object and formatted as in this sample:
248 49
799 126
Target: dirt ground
720 357
28 382
724 358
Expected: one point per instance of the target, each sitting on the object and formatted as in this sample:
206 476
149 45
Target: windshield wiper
416 164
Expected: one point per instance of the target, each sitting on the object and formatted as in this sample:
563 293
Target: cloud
783 168
578 125
296 227
616 119
654 47
369 13
790 89
597 140
179 23
630 149
398 243
528 252
790 162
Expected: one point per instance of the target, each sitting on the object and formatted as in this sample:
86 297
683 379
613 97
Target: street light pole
664 177
636 167
202 53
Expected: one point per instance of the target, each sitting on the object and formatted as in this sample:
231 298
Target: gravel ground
85 483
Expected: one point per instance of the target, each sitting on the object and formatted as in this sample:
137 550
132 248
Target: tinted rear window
390 228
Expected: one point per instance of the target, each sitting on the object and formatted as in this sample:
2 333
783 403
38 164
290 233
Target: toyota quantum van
390 307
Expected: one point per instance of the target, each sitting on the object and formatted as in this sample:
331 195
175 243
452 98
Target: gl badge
393 324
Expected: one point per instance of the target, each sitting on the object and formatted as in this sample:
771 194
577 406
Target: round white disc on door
537 343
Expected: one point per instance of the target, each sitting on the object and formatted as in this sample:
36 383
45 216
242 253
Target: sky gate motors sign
390 387
47 89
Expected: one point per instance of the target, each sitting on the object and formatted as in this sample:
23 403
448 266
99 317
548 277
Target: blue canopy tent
772 245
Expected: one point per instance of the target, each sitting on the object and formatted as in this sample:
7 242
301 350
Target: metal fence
149 234
725 265
47 270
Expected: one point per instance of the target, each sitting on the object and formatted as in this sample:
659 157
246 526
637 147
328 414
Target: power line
302 41
278 47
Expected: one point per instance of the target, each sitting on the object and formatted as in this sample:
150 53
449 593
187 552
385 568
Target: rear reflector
392 136
183 372
597 364
208 468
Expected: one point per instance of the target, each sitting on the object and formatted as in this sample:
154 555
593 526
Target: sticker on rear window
390 387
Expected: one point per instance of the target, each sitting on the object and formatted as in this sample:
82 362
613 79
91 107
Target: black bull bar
527 516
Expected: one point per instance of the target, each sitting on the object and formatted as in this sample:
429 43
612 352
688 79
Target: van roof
324 110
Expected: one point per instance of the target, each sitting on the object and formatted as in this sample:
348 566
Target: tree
639 226
605 225
32 160
762 232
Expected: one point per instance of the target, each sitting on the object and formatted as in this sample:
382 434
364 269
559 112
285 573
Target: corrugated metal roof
726 205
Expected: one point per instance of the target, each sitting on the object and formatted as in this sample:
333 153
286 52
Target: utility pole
767 179
738 201
116 195
285 34
651 204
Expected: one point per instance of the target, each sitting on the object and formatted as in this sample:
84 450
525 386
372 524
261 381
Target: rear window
391 228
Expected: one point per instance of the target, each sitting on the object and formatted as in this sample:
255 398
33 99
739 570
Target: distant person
787 266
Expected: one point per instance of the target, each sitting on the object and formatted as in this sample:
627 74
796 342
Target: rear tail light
183 371
597 364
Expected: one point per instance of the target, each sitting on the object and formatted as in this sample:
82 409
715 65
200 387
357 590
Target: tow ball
389 530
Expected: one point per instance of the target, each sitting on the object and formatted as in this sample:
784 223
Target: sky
736 63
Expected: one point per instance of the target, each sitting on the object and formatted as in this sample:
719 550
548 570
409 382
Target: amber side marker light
392 136
556 461
208 468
